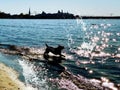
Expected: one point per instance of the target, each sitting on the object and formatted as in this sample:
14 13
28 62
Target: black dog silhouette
56 51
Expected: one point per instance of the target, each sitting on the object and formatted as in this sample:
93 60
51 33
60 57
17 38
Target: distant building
29 12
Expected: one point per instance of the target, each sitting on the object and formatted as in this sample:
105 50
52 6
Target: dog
56 51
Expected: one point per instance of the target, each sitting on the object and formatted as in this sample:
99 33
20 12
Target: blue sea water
81 38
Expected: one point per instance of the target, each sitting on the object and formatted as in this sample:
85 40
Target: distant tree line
43 15
58 15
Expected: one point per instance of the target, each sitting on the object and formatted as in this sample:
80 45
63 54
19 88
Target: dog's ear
61 46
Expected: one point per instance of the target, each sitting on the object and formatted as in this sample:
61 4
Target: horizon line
35 13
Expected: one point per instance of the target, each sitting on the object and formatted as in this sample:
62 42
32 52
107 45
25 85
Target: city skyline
77 7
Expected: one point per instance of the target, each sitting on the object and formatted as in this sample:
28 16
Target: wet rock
81 82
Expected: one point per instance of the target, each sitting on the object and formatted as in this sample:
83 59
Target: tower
29 12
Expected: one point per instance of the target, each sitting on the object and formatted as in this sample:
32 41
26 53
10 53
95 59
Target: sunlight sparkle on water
119 48
118 34
114 40
107 83
90 71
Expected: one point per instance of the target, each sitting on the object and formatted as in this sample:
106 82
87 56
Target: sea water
92 48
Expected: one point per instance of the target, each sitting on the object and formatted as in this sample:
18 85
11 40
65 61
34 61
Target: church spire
29 12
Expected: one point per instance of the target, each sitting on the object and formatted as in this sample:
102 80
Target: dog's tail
46 45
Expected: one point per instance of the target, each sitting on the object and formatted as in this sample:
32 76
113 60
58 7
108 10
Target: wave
31 76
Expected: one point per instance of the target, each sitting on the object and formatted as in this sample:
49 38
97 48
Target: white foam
109 85
87 53
32 81
106 83
87 46
28 87
67 56
37 50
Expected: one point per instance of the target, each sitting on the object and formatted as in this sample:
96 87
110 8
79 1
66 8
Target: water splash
88 43
69 35
32 80
95 39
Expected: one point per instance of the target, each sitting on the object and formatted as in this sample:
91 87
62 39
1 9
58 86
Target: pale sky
79 7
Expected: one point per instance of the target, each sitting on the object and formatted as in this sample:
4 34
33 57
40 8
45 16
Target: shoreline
86 18
67 77
9 79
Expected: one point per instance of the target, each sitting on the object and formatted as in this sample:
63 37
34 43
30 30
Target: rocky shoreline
80 82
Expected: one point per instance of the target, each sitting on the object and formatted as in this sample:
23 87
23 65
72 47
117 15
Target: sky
77 7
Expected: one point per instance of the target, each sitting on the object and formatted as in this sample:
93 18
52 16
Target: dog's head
60 47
